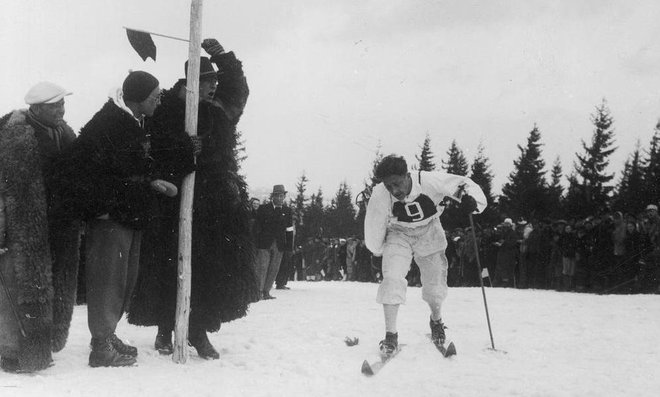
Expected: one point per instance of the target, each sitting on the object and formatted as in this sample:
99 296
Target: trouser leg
273 267
112 253
433 274
261 267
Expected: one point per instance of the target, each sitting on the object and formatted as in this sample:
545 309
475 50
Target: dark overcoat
223 280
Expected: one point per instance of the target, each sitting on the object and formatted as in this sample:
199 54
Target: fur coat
223 280
41 265
107 171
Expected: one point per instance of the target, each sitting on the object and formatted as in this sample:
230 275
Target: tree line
531 192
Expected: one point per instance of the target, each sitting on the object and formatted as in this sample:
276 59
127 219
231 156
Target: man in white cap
38 247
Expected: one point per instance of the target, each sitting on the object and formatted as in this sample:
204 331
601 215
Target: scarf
53 132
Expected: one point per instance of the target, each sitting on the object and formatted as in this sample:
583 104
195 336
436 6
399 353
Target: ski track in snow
548 344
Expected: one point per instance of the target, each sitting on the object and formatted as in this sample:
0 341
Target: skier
402 222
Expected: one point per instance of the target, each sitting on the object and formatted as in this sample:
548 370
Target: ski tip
451 350
366 368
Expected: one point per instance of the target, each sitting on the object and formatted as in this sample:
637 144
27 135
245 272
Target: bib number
414 211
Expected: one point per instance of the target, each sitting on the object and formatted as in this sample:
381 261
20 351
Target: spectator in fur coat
108 180
38 248
223 281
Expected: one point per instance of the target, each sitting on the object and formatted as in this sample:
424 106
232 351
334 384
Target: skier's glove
468 204
212 47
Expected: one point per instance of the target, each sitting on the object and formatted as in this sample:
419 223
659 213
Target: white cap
508 221
45 92
651 207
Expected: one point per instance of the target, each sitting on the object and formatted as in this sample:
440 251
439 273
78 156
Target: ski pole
481 280
12 305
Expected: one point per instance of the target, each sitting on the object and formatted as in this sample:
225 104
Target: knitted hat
138 85
205 68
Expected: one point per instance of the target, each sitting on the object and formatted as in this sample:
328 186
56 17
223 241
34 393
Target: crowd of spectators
610 253
613 252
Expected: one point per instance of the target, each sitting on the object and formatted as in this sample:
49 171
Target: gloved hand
468 204
196 144
164 187
212 47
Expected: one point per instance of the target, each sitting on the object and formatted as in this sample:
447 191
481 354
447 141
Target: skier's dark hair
391 165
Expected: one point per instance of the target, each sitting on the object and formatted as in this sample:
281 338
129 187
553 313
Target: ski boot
389 345
437 332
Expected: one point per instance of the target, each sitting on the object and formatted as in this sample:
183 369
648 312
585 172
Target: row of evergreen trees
529 193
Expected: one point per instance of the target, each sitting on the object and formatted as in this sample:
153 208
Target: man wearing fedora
274 229
223 283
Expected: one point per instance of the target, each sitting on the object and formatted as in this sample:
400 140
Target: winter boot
200 341
437 331
123 348
163 341
390 344
104 354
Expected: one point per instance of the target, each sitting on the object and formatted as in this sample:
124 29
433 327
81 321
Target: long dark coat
108 170
41 264
223 280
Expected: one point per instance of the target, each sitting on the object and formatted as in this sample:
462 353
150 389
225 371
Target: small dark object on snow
351 341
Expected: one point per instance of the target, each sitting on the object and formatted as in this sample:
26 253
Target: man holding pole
222 281
402 223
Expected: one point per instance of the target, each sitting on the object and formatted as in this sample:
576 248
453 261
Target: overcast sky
329 80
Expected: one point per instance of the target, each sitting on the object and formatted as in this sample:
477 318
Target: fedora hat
205 68
278 189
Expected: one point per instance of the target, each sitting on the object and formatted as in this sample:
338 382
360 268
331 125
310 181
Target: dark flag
142 44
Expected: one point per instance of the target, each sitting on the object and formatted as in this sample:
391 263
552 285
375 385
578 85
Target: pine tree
239 151
591 165
630 197
374 164
481 174
456 163
314 216
425 159
651 169
341 213
525 195
575 199
298 205
555 190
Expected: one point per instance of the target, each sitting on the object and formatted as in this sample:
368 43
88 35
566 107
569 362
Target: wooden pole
187 189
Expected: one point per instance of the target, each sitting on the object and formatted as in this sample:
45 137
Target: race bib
418 210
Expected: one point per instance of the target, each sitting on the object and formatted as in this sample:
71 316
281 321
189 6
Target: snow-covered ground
548 344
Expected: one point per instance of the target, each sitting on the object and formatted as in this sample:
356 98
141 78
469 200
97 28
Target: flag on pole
484 272
142 43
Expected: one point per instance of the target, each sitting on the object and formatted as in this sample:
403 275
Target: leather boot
163 341
200 341
123 348
104 354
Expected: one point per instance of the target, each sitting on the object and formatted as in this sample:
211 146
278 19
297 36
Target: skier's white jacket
419 208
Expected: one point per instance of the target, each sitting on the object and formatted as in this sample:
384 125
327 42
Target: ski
371 369
448 351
